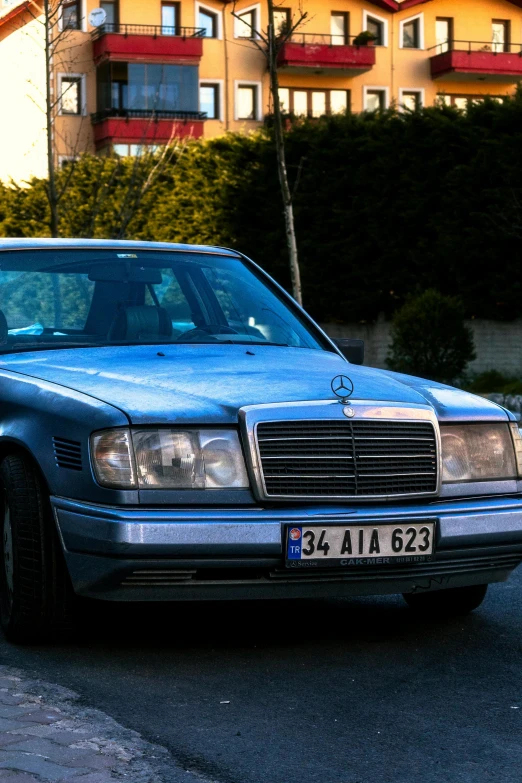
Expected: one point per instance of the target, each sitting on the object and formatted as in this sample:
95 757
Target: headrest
141 322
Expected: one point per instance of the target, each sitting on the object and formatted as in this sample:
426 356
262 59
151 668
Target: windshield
75 298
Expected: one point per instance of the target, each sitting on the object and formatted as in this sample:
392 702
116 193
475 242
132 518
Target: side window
71 15
208 22
71 94
173 300
249 310
376 28
34 302
246 25
411 33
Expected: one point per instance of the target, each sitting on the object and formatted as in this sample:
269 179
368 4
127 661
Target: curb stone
47 735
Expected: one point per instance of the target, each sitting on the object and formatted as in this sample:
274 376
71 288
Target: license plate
359 545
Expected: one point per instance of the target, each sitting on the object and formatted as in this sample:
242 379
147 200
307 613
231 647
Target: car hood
210 383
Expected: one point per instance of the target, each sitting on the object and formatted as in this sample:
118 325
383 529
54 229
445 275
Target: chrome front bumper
123 553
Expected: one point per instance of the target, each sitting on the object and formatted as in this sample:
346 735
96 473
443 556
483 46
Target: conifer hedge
386 206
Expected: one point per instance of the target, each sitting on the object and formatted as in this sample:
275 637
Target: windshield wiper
229 342
36 347
48 347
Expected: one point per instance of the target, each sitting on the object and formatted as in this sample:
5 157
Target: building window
143 89
209 100
411 34
375 99
339 28
71 94
170 18
444 34
208 21
71 15
134 150
112 9
246 25
313 103
247 99
411 100
501 35
282 21
66 160
463 102
377 27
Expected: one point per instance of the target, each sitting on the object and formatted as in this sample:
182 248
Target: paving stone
97 762
53 738
7 710
41 716
7 738
54 730
38 766
9 682
18 777
8 698
7 725
60 754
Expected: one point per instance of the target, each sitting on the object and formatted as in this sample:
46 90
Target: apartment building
153 70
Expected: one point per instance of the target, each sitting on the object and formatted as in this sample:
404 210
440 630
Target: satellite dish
97 17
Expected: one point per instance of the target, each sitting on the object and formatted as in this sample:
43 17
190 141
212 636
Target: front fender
34 412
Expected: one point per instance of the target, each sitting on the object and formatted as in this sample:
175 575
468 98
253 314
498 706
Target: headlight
169 459
113 459
477 452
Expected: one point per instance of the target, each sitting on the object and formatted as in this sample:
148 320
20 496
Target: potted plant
366 38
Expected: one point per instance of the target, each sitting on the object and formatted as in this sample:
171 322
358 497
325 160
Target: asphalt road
327 692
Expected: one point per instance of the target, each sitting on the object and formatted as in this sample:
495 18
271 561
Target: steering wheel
207 330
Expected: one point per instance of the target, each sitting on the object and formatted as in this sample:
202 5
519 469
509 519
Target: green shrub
494 381
430 338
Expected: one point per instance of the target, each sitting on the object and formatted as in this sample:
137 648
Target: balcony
309 52
151 43
126 126
465 61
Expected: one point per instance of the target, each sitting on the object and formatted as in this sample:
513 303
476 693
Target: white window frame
221 101
83 27
419 90
83 96
369 88
219 16
381 19
66 159
239 11
420 17
259 103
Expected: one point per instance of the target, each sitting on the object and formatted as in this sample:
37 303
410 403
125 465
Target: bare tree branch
273 42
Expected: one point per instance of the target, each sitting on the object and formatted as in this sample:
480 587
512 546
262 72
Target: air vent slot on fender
67 453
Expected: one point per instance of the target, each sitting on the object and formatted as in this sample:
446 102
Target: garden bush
430 338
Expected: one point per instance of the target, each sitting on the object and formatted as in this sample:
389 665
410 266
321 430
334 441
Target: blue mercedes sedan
174 427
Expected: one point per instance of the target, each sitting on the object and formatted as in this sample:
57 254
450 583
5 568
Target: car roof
108 244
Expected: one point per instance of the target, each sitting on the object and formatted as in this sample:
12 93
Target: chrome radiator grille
347 458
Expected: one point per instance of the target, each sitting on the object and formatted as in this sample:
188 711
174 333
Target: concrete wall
498 345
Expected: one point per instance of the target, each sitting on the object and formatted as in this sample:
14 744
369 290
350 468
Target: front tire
36 595
453 602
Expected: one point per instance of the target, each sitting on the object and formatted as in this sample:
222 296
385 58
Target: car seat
144 322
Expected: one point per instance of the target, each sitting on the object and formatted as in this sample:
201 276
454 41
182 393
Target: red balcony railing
328 53
486 60
129 126
131 42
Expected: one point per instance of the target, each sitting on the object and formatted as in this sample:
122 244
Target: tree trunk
51 188
281 160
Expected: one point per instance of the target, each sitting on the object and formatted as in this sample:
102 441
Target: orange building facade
137 72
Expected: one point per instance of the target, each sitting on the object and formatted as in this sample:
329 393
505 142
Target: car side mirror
351 349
